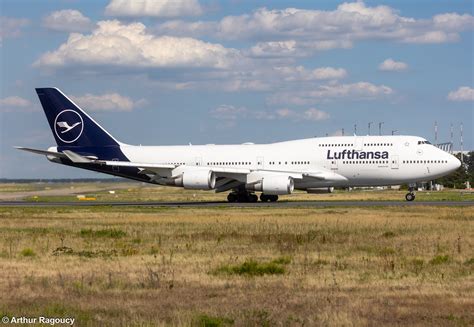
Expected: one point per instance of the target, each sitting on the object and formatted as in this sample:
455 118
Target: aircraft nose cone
455 163
458 163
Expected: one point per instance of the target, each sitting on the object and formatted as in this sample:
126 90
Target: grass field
242 267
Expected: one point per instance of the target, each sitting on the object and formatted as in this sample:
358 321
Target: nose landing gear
410 196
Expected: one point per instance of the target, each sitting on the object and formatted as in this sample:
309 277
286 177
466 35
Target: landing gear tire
268 197
242 197
410 196
232 197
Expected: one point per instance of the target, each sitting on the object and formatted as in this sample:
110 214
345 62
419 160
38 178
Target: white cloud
14 101
308 115
16 104
453 21
11 27
274 49
67 20
354 91
294 48
299 73
464 93
153 8
231 113
292 31
107 102
255 77
315 115
329 73
228 112
129 45
432 37
392 65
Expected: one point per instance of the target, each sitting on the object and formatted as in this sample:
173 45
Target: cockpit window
424 142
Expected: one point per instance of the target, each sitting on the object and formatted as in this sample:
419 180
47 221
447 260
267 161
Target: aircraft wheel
264 197
253 198
273 198
242 197
410 196
232 197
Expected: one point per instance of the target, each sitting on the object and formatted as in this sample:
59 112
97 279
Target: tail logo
68 126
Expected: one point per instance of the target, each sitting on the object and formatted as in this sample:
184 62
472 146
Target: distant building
448 146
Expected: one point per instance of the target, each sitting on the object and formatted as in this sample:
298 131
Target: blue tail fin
70 125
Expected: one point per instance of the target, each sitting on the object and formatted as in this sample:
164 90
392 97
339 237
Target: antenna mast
462 146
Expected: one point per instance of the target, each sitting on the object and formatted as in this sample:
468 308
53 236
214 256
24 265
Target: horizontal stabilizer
43 152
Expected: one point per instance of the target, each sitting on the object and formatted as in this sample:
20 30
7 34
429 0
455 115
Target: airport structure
244 169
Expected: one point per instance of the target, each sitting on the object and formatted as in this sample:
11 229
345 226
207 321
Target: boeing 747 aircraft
272 169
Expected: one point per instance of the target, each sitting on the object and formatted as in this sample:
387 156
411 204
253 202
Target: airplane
243 169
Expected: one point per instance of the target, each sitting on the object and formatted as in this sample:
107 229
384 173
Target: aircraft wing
142 165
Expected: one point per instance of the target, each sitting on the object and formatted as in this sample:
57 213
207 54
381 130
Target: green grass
440 259
469 262
111 233
252 267
28 252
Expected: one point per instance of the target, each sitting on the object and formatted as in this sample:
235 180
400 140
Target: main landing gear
250 197
410 196
268 197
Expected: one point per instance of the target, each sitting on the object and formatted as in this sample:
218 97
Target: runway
223 204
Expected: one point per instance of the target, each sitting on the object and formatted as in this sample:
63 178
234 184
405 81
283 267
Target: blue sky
174 72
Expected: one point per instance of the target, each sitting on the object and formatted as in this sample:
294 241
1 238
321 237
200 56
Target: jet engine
197 180
273 185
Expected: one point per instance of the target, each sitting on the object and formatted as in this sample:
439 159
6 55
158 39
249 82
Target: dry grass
152 266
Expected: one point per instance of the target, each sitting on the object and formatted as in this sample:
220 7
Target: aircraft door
115 168
198 161
260 163
333 164
394 162
358 143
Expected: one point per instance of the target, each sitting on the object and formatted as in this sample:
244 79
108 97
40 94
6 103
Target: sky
224 72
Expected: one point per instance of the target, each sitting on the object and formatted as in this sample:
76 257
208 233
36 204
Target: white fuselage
362 160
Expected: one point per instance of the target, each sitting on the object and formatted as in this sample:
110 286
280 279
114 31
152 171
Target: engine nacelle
276 185
197 180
